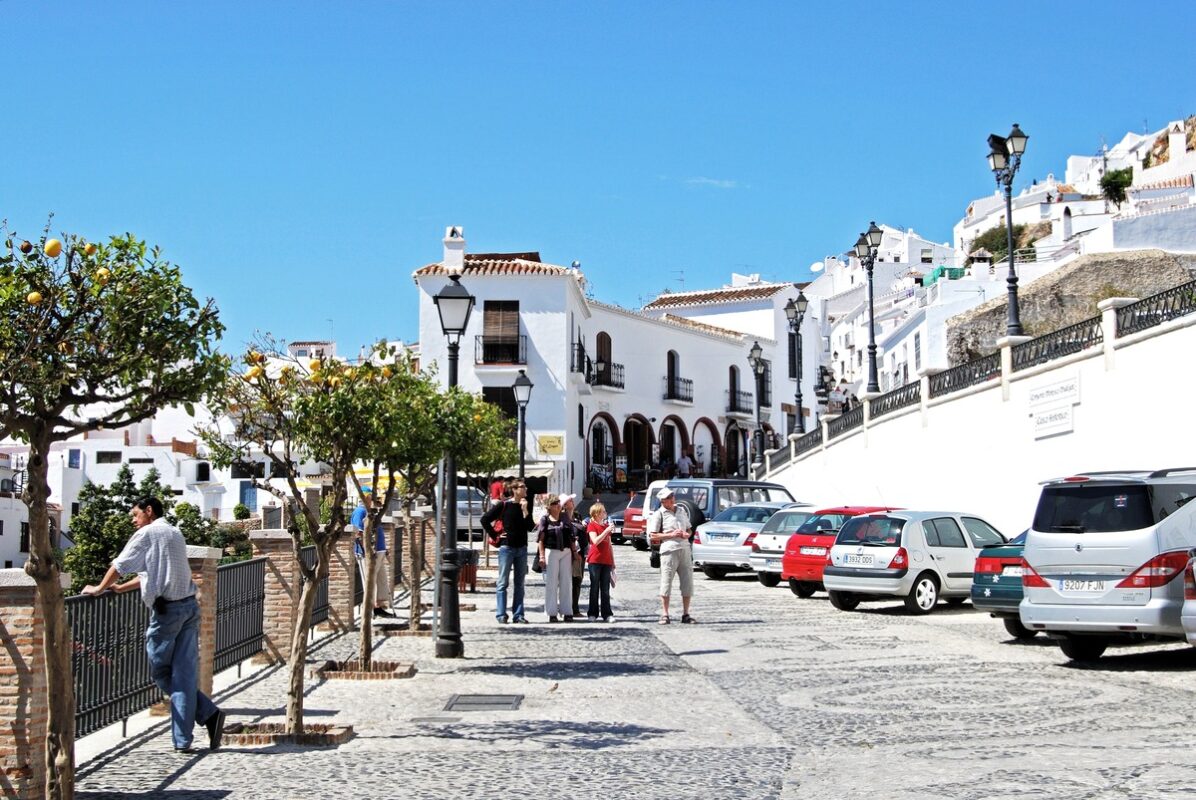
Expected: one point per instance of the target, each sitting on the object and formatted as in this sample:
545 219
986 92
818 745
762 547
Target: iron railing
908 395
740 402
779 457
111 671
972 373
679 389
808 441
845 422
610 375
319 612
240 604
580 362
500 349
1063 342
1176 302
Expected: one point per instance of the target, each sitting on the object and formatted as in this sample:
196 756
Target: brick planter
401 629
351 671
267 733
460 606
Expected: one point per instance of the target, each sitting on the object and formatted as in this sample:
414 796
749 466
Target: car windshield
785 522
1108 507
745 514
884 531
823 523
465 493
637 501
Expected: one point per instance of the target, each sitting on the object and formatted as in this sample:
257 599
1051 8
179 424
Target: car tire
802 589
1018 631
696 517
924 595
769 579
844 601
639 544
715 573
1084 649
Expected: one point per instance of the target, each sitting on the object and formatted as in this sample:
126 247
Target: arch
707 446
600 453
1066 223
682 446
638 438
734 453
602 348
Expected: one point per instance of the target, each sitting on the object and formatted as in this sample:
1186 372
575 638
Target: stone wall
1067 295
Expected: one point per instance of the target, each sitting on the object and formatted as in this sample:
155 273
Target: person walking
514 518
685 465
157 552
601 560
557 546
382 587
577 569
669 527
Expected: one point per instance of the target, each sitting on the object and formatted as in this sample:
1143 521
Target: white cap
663 493
566 498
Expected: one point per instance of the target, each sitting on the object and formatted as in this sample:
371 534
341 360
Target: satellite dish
817 266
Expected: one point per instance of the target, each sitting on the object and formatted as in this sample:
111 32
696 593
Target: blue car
997 584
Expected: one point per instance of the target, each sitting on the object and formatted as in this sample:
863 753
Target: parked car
919 556
471 505
997 584
726 543
616 519
1102 558
805 551
770 542
633 521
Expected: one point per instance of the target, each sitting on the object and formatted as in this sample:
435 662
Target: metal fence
1063 342
809 441
240 604
610 375
111 671
319 612
908 395
1177 301
981 370
678 389
845 422
740 402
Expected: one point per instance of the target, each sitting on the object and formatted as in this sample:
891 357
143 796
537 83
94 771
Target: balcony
500 350
740 404
678 390
609 377
581 368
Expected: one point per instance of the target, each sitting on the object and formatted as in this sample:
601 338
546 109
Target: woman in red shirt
602 563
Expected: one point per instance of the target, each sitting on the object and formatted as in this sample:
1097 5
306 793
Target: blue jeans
172 645
509 557
600 591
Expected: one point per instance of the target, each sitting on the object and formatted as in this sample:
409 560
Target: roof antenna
680 273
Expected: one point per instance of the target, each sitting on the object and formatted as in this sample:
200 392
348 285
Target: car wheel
1019 631
802 588
696 517
844 601
924 595
639 544
769 579
715 573
1082 648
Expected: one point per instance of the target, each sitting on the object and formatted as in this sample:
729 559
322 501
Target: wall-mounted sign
1051 421
552 445
1056 393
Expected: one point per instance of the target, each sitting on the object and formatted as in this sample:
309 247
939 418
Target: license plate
1082 586
723 537
773 563
1012 571
854 560
813 551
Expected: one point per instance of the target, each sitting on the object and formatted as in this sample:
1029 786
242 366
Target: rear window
746 514
785 522
871 530
823 523
1108 508
637 501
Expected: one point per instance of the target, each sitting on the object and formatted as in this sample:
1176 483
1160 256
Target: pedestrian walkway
768 696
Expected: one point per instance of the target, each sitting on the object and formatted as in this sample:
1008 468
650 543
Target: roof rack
1163 473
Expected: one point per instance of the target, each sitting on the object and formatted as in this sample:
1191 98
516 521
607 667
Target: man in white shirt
685 466
669 527
157 552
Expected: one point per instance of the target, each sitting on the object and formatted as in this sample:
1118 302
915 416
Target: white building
14 516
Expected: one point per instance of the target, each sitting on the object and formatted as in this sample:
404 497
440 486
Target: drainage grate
484 702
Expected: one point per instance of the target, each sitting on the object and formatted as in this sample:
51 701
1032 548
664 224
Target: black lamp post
1004 158
453 303
865 249
795 311
523 393
756 359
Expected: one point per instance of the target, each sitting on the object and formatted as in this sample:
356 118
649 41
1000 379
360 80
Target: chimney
454 250
1177 141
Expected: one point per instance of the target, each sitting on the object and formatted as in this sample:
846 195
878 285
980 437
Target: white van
1103 557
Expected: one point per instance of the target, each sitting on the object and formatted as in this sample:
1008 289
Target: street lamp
1004 158
453 303
795 311
523 393
866 248
756 359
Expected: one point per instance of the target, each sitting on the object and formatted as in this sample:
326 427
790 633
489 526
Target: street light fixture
454 304
756 359
523 393
1004 159
865 250
795 312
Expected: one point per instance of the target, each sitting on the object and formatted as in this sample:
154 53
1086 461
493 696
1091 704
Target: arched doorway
602 445
734 459
674 439
638 438
602 358
707 448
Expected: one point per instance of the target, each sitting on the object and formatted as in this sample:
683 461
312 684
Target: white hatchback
726 543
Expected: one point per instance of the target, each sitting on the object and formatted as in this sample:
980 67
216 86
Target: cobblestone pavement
768 696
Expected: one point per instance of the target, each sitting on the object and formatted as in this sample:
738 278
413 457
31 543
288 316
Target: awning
541 469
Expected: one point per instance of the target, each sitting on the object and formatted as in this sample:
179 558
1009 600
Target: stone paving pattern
768 696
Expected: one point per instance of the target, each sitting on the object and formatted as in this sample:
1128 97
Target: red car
805 552
634 524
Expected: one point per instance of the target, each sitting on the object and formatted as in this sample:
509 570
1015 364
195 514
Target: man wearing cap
382 588
669 527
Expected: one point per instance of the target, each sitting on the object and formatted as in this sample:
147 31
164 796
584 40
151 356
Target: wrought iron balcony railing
500 349
681 389
610 375
740 402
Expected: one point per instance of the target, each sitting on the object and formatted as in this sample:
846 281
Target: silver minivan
1103 556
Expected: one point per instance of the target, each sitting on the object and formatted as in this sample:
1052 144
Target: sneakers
553 619
503 620
608 620
215 726
522 620
569 618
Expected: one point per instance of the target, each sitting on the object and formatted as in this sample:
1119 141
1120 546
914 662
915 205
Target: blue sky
299 160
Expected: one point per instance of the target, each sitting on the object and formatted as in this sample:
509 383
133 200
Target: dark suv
705 497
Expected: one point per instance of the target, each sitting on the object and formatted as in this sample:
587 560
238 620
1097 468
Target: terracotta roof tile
1182 182
702 326
499 264
723 295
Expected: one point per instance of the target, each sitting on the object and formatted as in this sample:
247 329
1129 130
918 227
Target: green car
997 584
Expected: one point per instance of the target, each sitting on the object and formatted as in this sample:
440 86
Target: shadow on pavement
553 734
1179 659
563 670
157 794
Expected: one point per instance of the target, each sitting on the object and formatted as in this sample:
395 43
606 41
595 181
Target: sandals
664 619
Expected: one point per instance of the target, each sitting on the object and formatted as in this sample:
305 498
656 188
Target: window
949 534
500 319
248 469
504 398
8 564
141 461
581 420
24 545
74 457
764 385
981 532
2 525
203 472
917 352
74 509
871 530
792 354
108 457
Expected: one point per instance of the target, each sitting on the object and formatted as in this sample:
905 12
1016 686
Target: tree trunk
366 634
415 568
60 688
297 661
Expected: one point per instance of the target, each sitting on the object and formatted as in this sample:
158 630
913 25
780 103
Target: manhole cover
484 702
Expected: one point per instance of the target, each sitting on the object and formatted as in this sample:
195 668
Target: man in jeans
515 514
382 586
669 527
158 554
